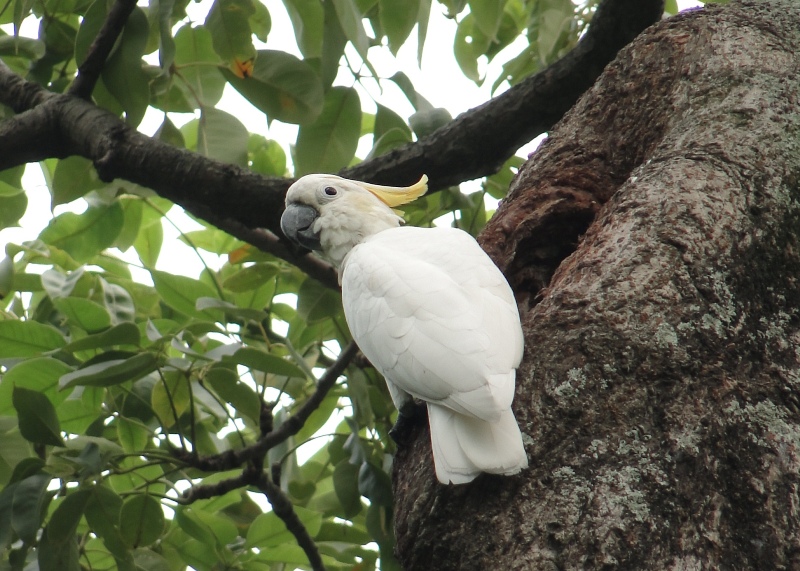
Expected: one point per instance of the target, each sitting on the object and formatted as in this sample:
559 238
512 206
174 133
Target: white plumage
431 312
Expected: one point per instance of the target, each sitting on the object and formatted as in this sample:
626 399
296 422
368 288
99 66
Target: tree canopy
146 415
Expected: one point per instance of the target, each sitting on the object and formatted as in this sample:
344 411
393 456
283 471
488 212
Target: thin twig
89 70
231 459
283 508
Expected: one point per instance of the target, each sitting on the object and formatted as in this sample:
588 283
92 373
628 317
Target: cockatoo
431 312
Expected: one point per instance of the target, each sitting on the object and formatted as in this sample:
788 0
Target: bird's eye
330 191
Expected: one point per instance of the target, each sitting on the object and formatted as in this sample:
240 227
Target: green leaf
169 133
256 359
222 136
487 14
316 302
282 86
132 208
387 120
497 185
118 302
291 555
350 20
554 19
38 421
307 20
345 483
102 511
398 19
228 22
226 384
251 277
260 21
318 418
58 284
85 235
6 276
30 497
423 17
15 452
91 23
391 139
113 372
12 208
266 156
27 339
329 143
379 526
375 484
162 10
181 293
133 436
59 39
426 122
39 374
211 240
198 64
125 333
268 530
9 190
84 313
61 556
141 520
214 528
150 238
73 178
123 74
170 398
64 522
230 309
417 101
20 46
334 42
470 43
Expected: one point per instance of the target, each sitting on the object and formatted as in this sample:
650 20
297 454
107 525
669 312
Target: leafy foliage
134 401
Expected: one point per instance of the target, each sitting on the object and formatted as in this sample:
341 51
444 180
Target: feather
436 317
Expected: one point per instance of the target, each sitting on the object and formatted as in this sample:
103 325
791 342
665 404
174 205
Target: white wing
436 317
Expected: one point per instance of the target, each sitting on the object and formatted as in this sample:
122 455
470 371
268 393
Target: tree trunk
660 389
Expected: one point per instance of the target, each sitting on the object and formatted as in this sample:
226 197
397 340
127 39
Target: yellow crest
396 195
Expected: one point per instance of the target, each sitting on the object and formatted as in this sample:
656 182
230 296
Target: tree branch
475 144
281 505
478 142
89 70
235 458
283 508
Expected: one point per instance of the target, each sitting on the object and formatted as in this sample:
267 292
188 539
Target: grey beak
297 224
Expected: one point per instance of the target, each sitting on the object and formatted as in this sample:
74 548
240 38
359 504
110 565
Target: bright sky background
439 80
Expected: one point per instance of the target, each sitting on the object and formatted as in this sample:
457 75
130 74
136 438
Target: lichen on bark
659 393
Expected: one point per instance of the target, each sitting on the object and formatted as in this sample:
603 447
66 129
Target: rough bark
659 389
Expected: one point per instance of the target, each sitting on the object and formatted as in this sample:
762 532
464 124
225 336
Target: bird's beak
297 223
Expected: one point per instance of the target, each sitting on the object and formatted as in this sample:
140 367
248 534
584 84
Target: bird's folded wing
432 312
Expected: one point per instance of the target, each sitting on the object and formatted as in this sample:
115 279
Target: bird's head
331 214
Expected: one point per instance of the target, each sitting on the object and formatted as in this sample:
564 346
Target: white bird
431 312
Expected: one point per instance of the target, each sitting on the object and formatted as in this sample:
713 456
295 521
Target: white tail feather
465 446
